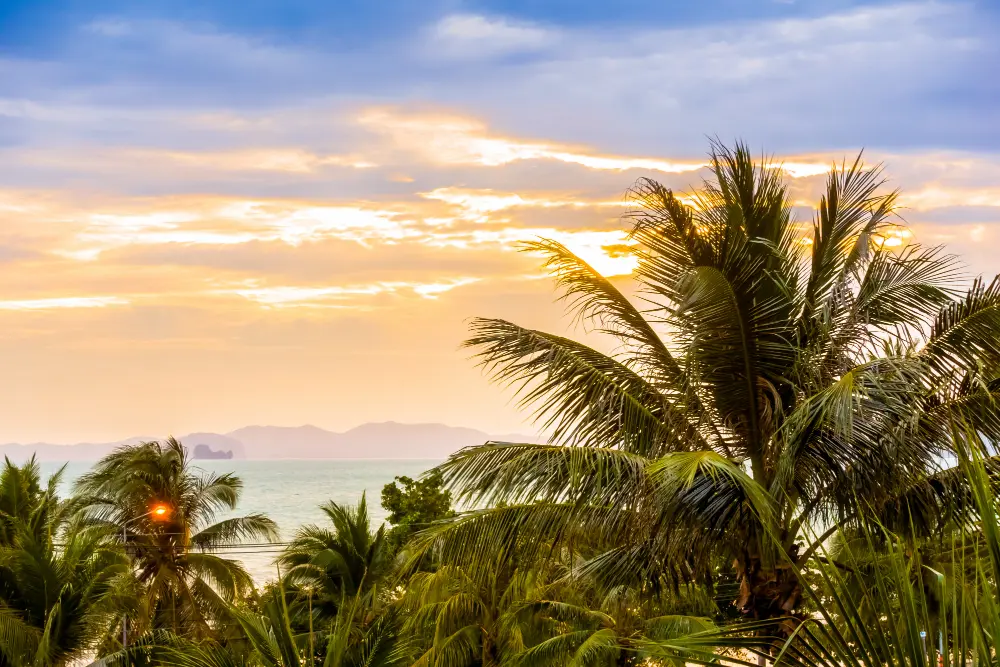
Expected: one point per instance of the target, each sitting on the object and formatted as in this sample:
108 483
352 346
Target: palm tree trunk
312 646
488 660
768 591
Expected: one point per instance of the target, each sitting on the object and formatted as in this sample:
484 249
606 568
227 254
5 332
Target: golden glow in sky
167 291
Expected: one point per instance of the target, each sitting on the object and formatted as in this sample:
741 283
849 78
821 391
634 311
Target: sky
215 214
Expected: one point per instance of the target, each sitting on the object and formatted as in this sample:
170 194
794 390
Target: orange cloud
284 296
457 140
55 303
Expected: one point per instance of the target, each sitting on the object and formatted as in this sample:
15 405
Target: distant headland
206 452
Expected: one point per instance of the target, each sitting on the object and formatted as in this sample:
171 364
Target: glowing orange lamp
160 512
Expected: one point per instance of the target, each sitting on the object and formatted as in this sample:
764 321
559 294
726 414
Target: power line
223 548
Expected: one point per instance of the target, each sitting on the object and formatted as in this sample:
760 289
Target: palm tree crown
185 586
338 563
60 583
778 377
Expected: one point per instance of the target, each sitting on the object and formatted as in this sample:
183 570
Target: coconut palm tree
21 494
458 617
540 616
578 625
325 565
186 587
267 639
770 380
60 584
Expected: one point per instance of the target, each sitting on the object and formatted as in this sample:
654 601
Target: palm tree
324 565
539 616
458 617
186 588
576 625
60 584
779 382
267 639
21 493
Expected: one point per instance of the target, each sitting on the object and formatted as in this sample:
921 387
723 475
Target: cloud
464 36
293 160
226 221
343 296
234 222
940 197
457 140
110 28
638 87
790 85
476 201
479 202
192 43
57 303
296 223
804 169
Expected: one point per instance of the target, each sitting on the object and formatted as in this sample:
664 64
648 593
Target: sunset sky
218 213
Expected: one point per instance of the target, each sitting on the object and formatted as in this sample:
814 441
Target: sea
290 492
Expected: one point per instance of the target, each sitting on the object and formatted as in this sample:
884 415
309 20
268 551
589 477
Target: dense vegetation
778 447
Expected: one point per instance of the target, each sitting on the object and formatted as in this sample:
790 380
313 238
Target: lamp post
158 512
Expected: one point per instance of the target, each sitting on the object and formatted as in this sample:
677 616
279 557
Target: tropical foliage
268 640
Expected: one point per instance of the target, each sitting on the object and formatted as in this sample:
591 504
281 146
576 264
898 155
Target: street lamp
157 512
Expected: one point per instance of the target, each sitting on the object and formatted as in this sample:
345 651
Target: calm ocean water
290 492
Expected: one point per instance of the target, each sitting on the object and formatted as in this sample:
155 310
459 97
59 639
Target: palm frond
592 297
481 539
248 528
229 577
709 487
964 337
514 473
18 640
850 212
579 394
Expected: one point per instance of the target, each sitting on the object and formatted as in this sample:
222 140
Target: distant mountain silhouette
385 440
206 452
84 451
